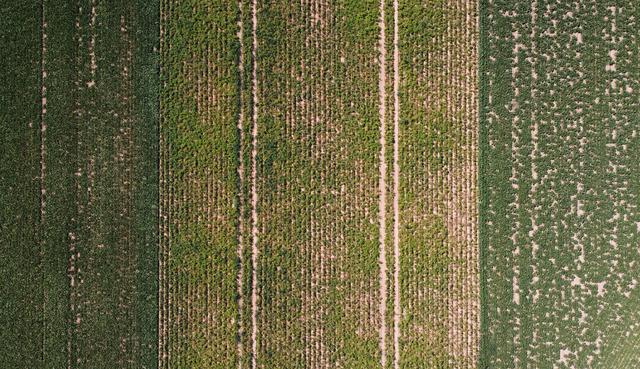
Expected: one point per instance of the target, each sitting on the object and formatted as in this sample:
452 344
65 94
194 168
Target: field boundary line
396 189
254 193
382 187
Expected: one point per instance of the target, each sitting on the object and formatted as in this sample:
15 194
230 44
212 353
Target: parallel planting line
318 278
382 187
75 238
396 190
241 200
43 106
43 128
78 181
162 208
254 192
436 208
21 35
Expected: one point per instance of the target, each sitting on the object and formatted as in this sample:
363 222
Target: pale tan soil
396 190
254 192
382 187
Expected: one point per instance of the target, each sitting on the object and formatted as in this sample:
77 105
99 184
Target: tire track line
254 193
396 189
382 187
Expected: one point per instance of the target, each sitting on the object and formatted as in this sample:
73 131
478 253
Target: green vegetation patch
80 220
558 170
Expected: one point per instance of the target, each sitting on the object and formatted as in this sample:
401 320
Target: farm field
559 220
438 192
78 185
292 236
319 184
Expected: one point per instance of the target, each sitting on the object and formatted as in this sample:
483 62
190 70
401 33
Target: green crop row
199 106
318 250
437 199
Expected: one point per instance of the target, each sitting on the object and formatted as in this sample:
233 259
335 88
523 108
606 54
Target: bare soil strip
254 192
382 186
396 187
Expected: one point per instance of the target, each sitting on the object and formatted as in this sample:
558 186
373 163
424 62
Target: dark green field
78 184
559 184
